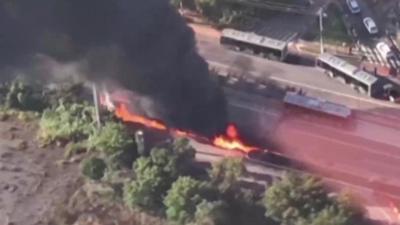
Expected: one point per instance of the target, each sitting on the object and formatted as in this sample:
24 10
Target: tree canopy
294 197
225 174
183 198
156 173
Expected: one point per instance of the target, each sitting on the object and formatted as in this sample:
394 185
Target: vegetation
183 198
211 213
302 199
114 141
156 173
94 168
163 182
66 123
22 96
220 12
225 174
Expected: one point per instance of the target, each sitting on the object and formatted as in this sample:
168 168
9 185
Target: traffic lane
261 111
349 146
312 79
362 149
318 85
391 119
385 140
376 207
264 69
347 159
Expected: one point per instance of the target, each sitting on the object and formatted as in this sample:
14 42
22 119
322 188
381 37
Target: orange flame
123 113
231 140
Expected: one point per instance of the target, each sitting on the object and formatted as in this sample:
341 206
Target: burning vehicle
132 108
129 107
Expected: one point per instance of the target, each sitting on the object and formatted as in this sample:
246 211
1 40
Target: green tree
66 122
211 213
242 204
111 138
295 197
94 168
183 198
116 143
209 8
330 216
23 96
155 175
147 190
225 174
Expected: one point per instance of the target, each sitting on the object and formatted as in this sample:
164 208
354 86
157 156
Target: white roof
349 69
251 37
317 104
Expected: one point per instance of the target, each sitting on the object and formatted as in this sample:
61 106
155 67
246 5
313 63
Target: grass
335 31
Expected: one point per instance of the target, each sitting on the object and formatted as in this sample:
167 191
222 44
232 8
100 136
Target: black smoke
143 44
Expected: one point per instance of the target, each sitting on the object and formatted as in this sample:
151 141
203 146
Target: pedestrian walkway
371 55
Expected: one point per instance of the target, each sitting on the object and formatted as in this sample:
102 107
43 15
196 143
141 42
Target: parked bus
362 81
319 106
257 44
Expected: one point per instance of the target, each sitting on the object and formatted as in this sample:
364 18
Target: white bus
362 81
259 45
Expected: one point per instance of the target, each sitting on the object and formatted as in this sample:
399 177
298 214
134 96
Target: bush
66 123
225 174
147 190
182 199
295 197
111 139
211 213
94 168
156 173
23 96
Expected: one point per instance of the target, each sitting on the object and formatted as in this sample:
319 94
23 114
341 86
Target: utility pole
321 28
96 105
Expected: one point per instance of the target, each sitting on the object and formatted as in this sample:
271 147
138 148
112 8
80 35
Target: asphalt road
310 78
364 156
367 154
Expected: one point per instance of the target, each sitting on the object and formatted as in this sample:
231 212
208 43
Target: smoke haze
143 44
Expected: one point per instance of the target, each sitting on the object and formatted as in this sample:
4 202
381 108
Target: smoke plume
142 44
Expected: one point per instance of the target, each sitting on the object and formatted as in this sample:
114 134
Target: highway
310 78
365 157
366 154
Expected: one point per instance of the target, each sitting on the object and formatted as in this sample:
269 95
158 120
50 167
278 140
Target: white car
370 25
353 5
384 49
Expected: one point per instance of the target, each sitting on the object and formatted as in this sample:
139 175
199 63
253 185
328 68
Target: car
384 50
391 94
353 5
370 25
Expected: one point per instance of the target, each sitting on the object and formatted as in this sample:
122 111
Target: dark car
269 157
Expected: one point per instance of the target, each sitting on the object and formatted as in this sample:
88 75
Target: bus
319 106
360 80
258 45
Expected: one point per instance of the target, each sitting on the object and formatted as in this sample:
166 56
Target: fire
123 113
231 140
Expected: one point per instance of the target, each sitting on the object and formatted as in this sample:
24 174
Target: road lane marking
344 143
333 129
